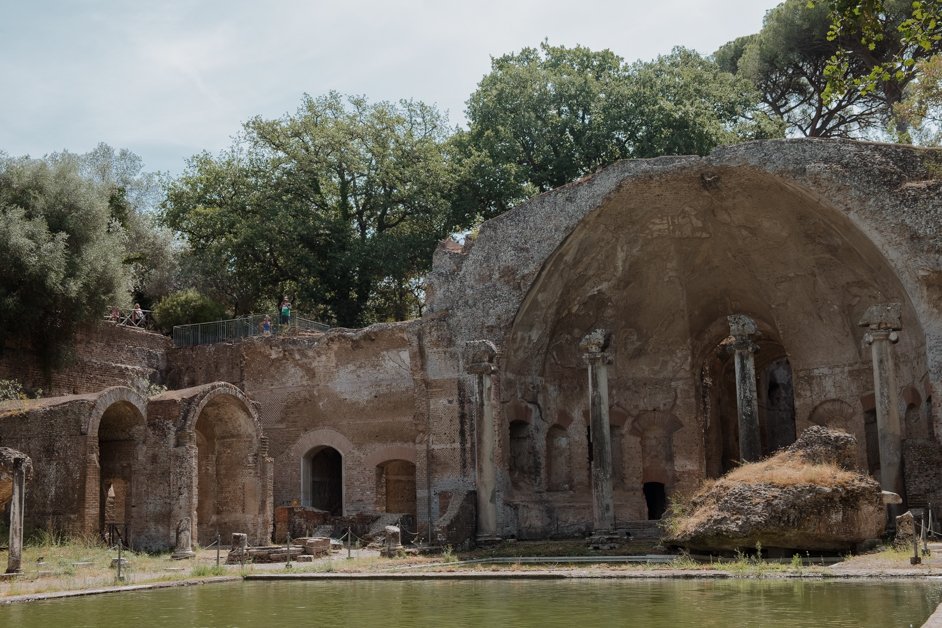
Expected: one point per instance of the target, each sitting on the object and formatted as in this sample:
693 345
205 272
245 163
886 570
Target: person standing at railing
266 325
137 316
285 311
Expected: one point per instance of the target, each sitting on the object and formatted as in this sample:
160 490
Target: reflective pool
498 603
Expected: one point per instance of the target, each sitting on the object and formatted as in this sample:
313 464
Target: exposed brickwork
104 355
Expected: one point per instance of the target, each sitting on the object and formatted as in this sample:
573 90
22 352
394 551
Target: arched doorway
227 487
120 436
324 475
655 496
395 487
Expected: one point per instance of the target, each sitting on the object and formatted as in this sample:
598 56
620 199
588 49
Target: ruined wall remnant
104 355
801 237
117 464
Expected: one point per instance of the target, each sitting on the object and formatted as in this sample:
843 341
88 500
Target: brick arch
92 513
217 392
108 398
324 437
393 452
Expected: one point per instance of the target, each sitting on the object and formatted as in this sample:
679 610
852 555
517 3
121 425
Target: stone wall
104 355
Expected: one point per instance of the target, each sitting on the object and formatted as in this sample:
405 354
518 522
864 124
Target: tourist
266 325
137 315
285 311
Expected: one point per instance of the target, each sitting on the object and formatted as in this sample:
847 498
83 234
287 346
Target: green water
497 603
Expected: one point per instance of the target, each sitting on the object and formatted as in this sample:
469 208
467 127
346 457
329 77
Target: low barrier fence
244 327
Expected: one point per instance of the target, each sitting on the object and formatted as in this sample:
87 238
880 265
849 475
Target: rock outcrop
806 497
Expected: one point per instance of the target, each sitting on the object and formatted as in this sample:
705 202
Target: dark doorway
656 497
327 481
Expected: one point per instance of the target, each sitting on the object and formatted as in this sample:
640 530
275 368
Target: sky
170 78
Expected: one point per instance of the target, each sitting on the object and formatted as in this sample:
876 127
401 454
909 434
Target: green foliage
329 205
62 253
544 117
881 44
787 62
10 389
186 307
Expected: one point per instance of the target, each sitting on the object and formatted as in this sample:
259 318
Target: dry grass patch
788 469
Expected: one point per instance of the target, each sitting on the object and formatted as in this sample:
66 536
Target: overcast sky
170 78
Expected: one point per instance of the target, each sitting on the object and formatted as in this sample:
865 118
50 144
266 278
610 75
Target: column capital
880 335
479 357
743 332
883 316
594 346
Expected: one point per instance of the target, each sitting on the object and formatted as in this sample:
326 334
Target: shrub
186 307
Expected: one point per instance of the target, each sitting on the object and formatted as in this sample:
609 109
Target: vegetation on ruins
63 252
338 205
185 307
76 237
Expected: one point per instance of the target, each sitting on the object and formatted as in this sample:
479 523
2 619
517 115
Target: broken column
479 361
594 347
883 323
743 330
15 467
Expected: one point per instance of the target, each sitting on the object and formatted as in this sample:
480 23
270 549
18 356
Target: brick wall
104 355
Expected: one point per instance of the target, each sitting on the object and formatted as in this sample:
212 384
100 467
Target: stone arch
306 449
230 481
115 431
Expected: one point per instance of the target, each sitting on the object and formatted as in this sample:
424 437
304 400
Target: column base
183 555
483 540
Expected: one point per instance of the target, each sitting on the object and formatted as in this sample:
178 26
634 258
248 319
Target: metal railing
131 318
244 327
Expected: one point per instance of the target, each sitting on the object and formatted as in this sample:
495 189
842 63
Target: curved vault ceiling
664 260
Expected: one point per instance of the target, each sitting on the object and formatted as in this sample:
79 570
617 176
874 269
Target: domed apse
661 264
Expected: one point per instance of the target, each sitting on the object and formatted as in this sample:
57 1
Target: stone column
479 361
17 507
882 323
744 332
594 347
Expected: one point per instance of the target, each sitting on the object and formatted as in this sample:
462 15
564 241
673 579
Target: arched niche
661 263
228 486
115 431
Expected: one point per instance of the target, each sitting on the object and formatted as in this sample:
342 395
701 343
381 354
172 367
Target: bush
186 307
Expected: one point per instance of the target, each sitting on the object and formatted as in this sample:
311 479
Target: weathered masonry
590 353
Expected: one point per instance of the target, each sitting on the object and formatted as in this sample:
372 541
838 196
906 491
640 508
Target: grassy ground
52 565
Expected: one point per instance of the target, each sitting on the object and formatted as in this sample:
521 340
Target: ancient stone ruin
589 354
805 497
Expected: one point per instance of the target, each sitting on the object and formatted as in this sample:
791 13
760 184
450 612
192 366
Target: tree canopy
339 205
543 117
884 46
62 252
787 62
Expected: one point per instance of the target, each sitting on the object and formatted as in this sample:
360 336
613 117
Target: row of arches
194 459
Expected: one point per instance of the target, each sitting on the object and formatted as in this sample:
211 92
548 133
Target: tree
327 204
787 62
543 117
62 253
133 198
883 45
